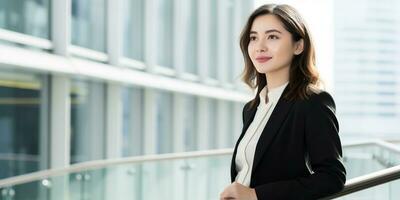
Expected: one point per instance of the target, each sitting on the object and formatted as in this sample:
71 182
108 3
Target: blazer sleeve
325 156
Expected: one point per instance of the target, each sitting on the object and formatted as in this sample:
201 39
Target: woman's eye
252 38
274 37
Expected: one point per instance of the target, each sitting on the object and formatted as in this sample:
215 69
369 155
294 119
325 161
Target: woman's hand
238 191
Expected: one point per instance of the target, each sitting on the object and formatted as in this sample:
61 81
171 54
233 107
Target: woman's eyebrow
267 31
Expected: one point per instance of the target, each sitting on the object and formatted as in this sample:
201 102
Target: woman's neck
277 78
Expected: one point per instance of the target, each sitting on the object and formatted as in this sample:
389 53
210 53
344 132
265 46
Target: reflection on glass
133 102
87 121
88 24
23 122
133 29
190 42
26 16
190 123
164 122
164 16
213 34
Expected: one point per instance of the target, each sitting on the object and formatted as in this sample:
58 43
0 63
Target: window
26 16
163 32
190 35
89 24
232 44
133 29
23 128
164 117
87 121
213 34
23 123
190 123
212 123
133 104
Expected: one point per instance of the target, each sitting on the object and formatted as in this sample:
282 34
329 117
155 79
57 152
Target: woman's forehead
266 22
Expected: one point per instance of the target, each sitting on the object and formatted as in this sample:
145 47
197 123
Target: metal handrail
352 185
368 181
96 164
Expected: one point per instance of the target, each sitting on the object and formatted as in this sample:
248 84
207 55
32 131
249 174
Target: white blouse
247 146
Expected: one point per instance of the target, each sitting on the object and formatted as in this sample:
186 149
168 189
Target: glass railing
368 157
182 177
191 175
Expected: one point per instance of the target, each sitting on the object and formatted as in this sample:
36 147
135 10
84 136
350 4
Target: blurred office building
84 80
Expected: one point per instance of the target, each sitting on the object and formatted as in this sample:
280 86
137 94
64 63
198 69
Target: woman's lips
263 59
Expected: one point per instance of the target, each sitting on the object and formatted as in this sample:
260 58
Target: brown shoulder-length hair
303 75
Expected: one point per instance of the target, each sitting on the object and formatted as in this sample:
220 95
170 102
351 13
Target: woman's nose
261 50
261 47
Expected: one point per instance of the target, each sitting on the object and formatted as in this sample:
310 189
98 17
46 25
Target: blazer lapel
271 128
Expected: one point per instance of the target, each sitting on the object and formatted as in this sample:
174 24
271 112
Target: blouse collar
273 95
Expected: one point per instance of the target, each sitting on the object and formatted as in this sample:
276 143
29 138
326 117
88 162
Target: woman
289 147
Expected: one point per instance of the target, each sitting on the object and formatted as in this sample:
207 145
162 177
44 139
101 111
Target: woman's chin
263 70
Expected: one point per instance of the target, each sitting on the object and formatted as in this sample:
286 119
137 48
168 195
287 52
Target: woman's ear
299 46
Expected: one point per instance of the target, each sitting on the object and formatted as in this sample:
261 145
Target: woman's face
271 47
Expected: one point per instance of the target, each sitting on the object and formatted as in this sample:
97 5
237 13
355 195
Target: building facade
100 79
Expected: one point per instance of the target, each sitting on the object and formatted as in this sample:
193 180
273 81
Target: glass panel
133 104
365 159
31 191
195 178
192 178
89 24
94 182
164 103
125 182
161 175
87 121
213 49
133 29
163 32
212 123
26 16
231 124
190 123
190 42
23 127
232 44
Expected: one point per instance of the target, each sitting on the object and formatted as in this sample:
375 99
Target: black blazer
299 134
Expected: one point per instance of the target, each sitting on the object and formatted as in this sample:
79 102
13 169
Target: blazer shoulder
246 106
321 98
